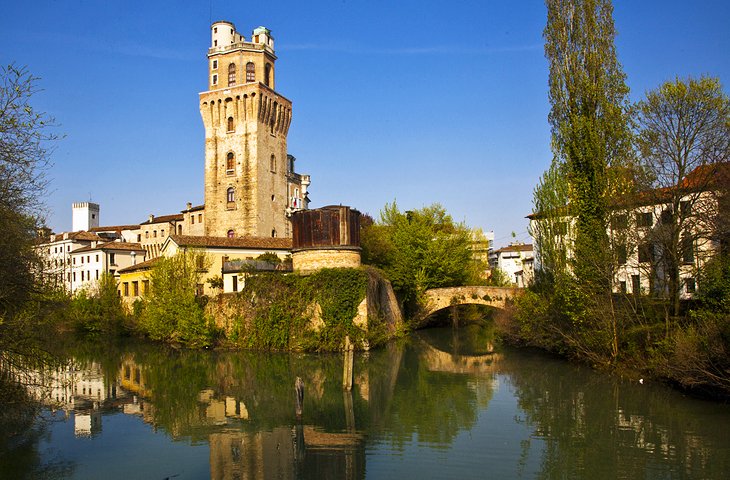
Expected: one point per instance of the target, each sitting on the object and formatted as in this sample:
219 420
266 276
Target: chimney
152 217
190 205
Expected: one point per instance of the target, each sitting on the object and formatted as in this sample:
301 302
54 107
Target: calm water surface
444 404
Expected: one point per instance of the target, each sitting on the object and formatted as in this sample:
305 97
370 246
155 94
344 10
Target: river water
445 403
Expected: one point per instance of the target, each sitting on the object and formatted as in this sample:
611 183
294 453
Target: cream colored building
218 250
88 264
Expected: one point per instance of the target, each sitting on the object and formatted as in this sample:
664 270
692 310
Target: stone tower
247 177
85 216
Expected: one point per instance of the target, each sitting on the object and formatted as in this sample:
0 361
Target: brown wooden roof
146 265
118 246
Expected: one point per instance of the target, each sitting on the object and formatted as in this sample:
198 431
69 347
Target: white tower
85 216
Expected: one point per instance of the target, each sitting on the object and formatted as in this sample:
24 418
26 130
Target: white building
55 252
89 263
516 261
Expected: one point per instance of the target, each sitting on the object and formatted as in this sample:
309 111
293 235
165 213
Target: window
214 81
147 234
88 258
231 234
235 283
145 286
112 260
154 234
230 164
644 219
272 163
250 72
273 233
231 125
82 260
179 229
622 286
687 246
635 284
690 285
215 64
666 216
162 232
200 218
621 254
97 258
231 74
135 289
74 276
82 275
645 252
97 274
267 74
74 261
139 237
126 289
230 195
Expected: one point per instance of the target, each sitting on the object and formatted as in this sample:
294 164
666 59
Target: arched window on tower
179 229
267 74
231 234
230 195
272 163
231 74
250 72
231 125
230 163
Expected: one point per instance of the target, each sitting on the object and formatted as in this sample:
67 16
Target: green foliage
269 257
714 283
418 250
24 158
216 282
588 97
172 312
280 310
683 138
98 311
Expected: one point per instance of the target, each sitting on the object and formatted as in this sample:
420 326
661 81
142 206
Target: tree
683 141
588 97
172 311
24 157
419 249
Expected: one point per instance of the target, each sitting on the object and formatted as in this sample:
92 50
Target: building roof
194 209
235 266
81 236
524 247
146 265
268 243
117 246
114 228
164 218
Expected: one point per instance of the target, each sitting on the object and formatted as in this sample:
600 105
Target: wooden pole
299 389
349 365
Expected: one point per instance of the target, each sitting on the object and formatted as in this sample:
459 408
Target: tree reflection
601 426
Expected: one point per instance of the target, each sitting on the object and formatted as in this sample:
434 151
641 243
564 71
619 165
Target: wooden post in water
299 389
348 368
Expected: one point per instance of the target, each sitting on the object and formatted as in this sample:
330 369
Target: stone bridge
497 297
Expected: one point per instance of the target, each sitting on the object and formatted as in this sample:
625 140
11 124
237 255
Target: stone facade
247 177
311 260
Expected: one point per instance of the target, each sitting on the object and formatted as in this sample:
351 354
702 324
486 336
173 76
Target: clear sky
415 101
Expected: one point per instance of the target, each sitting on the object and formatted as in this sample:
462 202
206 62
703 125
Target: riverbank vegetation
630 219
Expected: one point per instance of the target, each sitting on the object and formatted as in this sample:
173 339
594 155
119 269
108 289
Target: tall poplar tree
588 97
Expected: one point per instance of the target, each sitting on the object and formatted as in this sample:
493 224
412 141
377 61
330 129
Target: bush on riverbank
292 312
171 312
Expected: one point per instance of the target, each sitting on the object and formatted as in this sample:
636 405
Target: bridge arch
497 297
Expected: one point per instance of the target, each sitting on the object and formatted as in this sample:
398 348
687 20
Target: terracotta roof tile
115 228
146 265
516 248
164 218
117 246
235 242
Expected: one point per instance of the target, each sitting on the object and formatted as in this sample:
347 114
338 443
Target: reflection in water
445 403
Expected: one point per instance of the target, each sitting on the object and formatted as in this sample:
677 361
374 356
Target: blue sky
413 101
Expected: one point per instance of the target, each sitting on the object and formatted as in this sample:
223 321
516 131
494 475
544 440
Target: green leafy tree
172 311
420 249
588 98
683 141
25 139
98 311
